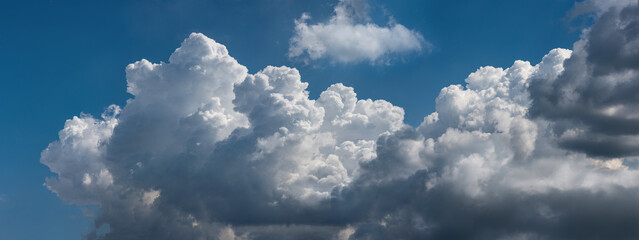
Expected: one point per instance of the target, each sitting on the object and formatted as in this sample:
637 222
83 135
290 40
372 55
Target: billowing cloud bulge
206 150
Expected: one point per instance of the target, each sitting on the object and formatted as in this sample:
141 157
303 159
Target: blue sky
60 58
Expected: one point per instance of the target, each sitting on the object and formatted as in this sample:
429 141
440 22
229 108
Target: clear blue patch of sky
60 58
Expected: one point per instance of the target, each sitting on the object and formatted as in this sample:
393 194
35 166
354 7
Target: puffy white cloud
206 150
349 36
202 140
78 157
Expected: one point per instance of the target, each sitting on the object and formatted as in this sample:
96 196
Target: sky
318 119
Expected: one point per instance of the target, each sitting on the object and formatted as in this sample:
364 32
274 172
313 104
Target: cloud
598 6
593 103
245 148
350 36
207 150
484 170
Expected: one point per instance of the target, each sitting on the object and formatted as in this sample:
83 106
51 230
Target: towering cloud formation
349 36
206 150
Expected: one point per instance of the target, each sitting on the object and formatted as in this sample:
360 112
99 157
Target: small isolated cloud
350 36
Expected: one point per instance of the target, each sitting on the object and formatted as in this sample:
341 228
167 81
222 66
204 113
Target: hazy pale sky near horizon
327 151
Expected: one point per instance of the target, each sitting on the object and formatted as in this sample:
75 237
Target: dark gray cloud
595 99
206 150
440 213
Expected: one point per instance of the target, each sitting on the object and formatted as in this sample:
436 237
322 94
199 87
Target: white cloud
149 197
349 36
199 123
204 146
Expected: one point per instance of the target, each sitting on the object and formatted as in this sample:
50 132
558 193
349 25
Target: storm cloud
594 101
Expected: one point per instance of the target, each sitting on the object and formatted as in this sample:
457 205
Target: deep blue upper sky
60 58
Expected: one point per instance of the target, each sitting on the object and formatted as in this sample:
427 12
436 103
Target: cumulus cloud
204 144
350 36
207 150
594 102
487 171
